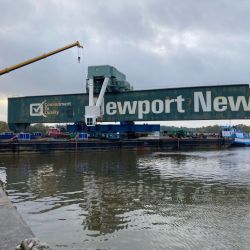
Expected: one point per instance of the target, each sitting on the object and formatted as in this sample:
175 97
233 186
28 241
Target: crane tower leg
93 111
103 89
91 91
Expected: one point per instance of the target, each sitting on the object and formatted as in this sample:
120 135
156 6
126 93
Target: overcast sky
156 43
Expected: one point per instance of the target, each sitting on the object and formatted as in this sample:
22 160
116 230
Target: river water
134 200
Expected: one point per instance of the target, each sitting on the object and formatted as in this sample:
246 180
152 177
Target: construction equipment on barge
111 98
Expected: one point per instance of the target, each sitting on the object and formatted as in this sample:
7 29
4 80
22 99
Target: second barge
167 144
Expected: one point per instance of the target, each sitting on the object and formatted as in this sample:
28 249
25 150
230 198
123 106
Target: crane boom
35 59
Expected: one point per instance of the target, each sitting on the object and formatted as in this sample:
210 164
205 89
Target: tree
3 126
39 127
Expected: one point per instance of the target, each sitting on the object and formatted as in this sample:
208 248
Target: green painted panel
47 109
105 71
194 103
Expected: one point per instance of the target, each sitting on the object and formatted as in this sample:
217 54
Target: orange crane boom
35 59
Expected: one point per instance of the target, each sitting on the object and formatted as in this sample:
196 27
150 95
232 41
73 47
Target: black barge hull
133 144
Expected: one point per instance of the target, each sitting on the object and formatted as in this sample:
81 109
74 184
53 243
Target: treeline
39 127
3 126
207 129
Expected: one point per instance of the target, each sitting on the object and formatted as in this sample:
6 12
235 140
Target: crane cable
79 53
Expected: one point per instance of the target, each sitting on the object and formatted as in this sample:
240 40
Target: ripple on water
3 175
133 200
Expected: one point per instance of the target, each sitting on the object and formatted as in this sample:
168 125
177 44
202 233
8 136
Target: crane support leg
103 89
93 111
91 91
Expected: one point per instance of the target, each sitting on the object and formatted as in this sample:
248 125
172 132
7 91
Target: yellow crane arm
35 59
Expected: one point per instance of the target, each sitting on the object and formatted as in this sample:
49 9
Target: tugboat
239 138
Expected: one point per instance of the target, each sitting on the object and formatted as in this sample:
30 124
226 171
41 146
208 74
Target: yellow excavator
35 59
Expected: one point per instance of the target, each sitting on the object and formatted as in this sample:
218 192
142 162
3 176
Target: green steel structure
120 103
117 82
22 111
192 103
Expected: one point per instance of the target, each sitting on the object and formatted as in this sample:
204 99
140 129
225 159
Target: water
3 176
134 200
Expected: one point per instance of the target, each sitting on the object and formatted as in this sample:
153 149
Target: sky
156 43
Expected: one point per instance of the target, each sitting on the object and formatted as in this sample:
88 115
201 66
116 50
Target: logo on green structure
37 109
47 108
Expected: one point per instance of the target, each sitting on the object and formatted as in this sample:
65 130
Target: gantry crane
35 59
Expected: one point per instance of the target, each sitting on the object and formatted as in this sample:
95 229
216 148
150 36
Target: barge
167 144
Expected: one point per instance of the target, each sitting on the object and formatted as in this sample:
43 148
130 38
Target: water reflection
100 194
3 175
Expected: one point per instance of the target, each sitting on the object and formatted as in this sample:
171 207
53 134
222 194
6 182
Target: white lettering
199 99
127 106
143 108
111 108
168 102
179 100
203 102
220 103
157 106
235 106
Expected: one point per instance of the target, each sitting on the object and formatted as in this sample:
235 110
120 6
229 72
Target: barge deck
166 144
